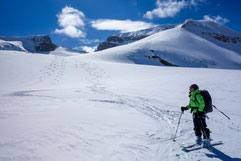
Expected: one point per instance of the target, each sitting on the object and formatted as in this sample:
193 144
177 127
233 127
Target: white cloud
170 8
120 25
88 41
86 49
72 22
217 19
167 8
71 31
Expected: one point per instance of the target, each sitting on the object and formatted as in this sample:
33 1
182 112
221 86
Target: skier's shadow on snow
220 155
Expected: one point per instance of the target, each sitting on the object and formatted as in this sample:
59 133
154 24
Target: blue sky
78 23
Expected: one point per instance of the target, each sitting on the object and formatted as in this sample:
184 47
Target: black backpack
207 100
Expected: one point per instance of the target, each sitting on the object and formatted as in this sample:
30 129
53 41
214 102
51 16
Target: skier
197 105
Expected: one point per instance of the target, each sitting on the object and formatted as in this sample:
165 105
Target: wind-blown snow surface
82 108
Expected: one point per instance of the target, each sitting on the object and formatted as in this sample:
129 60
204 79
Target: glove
194 108
183 109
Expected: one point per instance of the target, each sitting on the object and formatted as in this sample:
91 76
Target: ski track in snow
42 118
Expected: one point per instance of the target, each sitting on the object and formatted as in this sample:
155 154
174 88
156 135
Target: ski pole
221 112
177 127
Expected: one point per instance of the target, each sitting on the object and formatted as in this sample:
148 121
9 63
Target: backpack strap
196 97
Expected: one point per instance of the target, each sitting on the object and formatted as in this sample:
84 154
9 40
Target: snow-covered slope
129 37
37 43
83 108
216 33
104 106
180 46
63 51
11 45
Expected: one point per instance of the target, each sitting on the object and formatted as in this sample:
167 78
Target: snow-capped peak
199 26
38 43
147 32
191 44
129 37
214 32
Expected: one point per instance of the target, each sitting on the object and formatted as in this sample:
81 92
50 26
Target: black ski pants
200 126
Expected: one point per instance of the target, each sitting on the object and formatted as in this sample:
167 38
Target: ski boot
198 140
206 142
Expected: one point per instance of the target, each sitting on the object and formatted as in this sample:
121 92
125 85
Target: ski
189 146
193 147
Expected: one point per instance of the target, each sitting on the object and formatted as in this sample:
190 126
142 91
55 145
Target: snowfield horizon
194 43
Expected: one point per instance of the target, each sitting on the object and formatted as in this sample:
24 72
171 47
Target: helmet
194 86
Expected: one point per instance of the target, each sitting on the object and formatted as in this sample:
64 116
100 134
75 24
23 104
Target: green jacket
196 104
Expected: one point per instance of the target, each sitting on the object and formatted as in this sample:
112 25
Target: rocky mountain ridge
129 37
38 43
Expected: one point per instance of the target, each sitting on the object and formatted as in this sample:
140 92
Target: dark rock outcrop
105 45
163 61
113 41
223 38
43 43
